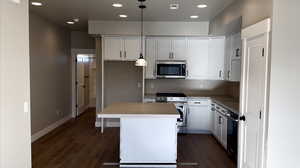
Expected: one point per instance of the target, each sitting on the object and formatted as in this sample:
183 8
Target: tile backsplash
191 87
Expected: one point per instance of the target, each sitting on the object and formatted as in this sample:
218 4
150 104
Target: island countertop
119 110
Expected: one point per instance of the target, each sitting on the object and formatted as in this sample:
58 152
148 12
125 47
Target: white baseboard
107 124
48 129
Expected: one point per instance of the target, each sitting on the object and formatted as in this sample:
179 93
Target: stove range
171 97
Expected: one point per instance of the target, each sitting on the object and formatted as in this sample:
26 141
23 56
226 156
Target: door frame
258 29
74 53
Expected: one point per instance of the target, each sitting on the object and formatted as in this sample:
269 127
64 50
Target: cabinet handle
228 74
125 54
237 52
120 54
170 55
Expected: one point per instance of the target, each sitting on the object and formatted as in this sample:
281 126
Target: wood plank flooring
77 144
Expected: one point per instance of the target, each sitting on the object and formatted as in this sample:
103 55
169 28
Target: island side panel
148 140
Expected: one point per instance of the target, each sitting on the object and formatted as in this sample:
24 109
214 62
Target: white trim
74 52
49 128
257 29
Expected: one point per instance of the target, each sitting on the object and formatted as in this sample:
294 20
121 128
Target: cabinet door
113 48
224 131
197 58
179 48
131 48
199 118
216 52
164 48
235 73
150 57
228 54
236 46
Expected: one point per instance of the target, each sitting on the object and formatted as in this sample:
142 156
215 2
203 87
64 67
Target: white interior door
254 89
80 84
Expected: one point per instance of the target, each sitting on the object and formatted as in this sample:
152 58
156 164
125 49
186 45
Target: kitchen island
148 131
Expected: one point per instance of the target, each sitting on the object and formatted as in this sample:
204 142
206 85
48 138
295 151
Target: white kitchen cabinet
197 58
121 48
164 48
132 48
171 48
179 45
220 126
216 53
200 118
113 48
151 58
233 57
224 131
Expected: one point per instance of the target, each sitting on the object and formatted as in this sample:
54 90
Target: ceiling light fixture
70 22
201 6
76 19
194 17
123 16
141 62
117 5
174 6
37 3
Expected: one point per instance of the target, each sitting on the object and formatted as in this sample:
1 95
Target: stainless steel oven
171 69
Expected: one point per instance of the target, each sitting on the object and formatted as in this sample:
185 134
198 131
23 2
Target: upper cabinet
197 58
170 48
233 57
150 58
124 48
216 53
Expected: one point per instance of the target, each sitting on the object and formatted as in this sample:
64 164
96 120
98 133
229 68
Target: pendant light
141 60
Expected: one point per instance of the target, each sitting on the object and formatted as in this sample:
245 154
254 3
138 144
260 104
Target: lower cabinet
199 117
220 128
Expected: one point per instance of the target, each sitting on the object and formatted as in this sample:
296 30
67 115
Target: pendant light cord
142 7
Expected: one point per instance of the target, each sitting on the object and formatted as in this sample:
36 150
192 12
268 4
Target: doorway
83 81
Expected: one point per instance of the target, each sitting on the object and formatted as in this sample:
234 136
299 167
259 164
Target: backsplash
190 87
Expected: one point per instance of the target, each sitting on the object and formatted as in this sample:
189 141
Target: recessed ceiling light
194 17
70 22
117 5
174 6
76 20
201 6
37 3
123 16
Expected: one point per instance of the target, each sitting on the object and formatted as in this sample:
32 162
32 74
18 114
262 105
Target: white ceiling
60 11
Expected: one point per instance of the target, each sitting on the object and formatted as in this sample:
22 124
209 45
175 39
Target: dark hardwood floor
77 144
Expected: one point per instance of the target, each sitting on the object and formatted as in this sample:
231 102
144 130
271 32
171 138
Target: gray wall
121 82
82 40
284 113
50 72
240 14
190 87
15 138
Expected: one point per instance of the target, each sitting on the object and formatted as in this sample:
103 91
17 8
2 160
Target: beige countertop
119 110
226 101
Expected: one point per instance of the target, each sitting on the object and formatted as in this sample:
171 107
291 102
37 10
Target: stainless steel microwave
171 69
